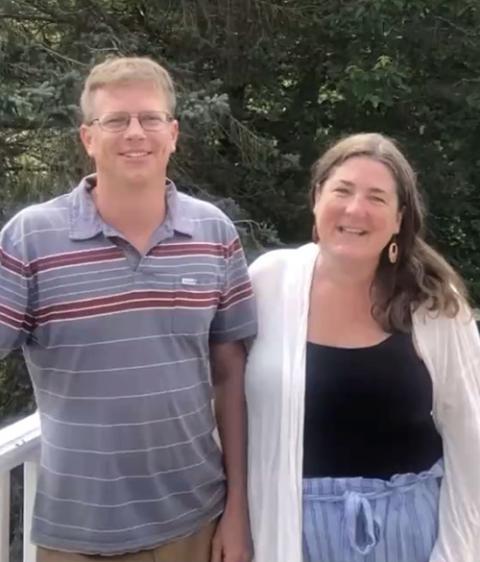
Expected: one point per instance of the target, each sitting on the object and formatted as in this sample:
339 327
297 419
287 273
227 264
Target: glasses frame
167 119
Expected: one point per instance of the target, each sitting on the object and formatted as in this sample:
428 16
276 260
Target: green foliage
15 389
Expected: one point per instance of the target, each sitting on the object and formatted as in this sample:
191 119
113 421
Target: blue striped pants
371 520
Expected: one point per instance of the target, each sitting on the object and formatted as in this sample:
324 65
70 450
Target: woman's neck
344 272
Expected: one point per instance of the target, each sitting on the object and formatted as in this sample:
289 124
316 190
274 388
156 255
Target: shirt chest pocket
194 303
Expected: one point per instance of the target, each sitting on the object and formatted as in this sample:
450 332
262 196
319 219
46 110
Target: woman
363 384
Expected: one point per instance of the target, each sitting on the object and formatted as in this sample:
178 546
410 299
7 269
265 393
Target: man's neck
134 210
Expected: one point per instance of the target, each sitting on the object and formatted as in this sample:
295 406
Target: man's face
135 156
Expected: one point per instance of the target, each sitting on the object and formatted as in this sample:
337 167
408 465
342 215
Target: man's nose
134 128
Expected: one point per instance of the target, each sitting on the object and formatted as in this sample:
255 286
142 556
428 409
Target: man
122 293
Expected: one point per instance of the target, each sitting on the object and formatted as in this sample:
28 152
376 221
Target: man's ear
174 135
87 139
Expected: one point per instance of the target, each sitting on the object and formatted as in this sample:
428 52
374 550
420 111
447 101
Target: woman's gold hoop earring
393 252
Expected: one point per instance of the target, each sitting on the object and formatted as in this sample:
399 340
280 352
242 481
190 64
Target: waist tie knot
363 529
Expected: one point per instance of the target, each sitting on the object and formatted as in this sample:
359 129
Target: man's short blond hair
126 70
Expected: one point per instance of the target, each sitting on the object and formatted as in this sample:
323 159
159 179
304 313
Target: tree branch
25 17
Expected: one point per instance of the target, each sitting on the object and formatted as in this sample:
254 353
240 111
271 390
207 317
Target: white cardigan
275 384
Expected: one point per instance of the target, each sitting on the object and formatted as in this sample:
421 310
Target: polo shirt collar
177 212
86 222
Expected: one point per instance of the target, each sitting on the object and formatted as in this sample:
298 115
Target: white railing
19 445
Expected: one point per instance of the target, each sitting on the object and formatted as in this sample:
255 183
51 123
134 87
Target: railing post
5 516
19 444
30 472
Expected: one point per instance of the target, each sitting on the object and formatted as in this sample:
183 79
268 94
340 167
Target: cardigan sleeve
451 349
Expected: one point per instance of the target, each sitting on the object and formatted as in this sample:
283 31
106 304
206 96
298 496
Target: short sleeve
16 323
236 317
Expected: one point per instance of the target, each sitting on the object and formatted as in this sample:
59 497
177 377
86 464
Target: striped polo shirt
117 346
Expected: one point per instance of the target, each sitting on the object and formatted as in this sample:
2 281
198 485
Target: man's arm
235 322
232 542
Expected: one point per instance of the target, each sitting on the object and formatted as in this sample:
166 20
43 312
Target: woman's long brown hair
420 276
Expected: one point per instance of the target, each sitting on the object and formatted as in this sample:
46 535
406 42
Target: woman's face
357 210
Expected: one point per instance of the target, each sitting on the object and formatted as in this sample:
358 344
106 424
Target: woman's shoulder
424 316
278 260
270 261
440 330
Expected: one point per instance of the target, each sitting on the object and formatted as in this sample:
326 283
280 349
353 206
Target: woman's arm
451 349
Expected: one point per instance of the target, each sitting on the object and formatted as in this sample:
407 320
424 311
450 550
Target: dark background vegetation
264 86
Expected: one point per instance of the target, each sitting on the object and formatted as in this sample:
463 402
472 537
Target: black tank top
368 411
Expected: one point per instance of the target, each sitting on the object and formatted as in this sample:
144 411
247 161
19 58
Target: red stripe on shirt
236 293
11 263
17 323
193 249
74 258
233 247
154 304
105 254
127 297
235 299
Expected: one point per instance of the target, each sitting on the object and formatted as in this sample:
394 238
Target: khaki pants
194 548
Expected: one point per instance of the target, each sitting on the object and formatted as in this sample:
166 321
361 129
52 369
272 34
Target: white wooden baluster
19 444
30 471
4 516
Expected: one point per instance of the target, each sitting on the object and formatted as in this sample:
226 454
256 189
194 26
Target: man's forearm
228 364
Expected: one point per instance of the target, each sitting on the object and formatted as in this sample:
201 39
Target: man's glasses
120 121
